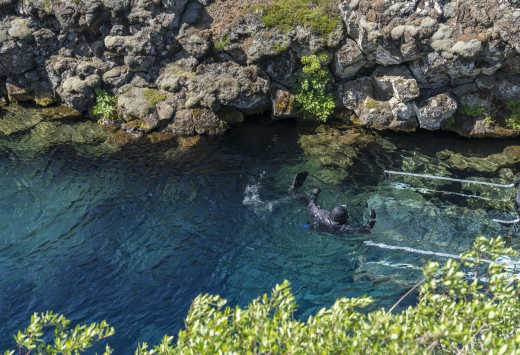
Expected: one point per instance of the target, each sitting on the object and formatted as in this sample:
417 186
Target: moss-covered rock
510 156
154 96
333 150
135 104
197 121
18 119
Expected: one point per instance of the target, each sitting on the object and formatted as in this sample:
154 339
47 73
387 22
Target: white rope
507 222
500 260
415 251
446 178
402 186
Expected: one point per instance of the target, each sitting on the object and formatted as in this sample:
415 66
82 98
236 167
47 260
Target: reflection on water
133 237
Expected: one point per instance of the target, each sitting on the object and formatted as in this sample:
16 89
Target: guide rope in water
434 177
512 265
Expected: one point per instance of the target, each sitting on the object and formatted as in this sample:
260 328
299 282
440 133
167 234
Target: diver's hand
372 220
298 181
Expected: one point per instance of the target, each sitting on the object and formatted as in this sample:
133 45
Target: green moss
449 123
373 104
154 96
513 121
221 43
279 48
321 16
473 110
489 119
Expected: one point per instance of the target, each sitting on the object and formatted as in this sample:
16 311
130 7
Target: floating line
507 222
425 190
447 178
416 251
510 264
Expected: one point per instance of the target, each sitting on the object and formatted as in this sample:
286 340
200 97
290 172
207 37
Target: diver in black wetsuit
334 221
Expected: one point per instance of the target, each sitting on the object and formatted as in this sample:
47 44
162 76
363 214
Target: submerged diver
334 221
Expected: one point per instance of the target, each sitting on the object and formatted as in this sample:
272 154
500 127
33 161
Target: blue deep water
133 237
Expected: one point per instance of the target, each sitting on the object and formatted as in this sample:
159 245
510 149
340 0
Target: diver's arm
296 183
319 215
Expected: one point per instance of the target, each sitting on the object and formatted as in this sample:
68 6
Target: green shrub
513 121
105 105
221 43
470 306
321 16
449 123
473 111
311 87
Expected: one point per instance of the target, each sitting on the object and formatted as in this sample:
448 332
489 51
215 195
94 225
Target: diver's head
339 215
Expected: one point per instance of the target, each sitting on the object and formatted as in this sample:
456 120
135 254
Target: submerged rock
332 151
18 119
490 164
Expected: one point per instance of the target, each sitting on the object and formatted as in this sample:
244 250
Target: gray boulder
432 112
78 93
197 121
348 60
396 81
195 44
139 103
352 94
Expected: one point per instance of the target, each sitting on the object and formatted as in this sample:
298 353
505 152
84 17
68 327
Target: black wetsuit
323 221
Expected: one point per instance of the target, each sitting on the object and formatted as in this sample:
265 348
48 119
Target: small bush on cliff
221 43
468 307
312 85
473 111
321 16
513 121
105 105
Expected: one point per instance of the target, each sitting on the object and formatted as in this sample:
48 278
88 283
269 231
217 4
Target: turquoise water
133 237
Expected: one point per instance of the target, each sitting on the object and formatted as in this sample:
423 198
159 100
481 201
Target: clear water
133 237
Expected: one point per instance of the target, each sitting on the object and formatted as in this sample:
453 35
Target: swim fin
298 180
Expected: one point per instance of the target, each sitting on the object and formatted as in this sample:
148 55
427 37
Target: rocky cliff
198 67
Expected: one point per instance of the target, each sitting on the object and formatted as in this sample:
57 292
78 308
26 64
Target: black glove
298 181
372 220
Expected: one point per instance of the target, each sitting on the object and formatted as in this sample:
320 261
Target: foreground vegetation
468 307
